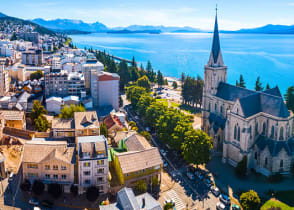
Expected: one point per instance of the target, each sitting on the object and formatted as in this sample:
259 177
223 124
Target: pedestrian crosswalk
179 204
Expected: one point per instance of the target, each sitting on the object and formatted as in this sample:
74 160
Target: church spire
215 56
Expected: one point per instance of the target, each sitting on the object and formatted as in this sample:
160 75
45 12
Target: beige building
4 82
50 162
243 122
86 123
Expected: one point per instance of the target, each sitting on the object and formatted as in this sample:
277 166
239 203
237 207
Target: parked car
208 182
163 152
11 177
190 175
169 201
47 203
165 164
225 199
236 207
215 191
220 206
34 201
136 117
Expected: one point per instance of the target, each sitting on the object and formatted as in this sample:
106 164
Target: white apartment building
93 166
32 57
4 83
91 65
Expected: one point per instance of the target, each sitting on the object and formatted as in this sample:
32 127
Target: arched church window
281 133
263 128
238 133
209 106
215 107
265 162
281 163
256 128
221 109
235 132
255 155
272 132
250 131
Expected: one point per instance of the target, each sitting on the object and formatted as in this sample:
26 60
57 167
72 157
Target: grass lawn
189 109
275 203
163 101
174 104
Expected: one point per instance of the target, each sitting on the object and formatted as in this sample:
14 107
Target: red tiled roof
106 77
111 120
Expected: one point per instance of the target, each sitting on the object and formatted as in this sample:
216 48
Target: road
177 168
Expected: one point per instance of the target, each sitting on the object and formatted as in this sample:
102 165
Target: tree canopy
289 97
144 82
67 112
250 200
241 82
258 85
37 116
36 75
192 90
103 130
175 85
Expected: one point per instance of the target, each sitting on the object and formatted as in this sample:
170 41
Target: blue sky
233 14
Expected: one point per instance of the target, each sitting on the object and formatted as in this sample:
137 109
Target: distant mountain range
267 29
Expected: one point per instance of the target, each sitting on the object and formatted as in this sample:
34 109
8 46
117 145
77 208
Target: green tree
121 102
258 85
160 79
168 206
175 85
38 187
36 75
124 74
144 102
13 37
55 190
141 186
37 110
196 147
241 82
178 135
241 168
154 181
146 134
165 82
92 193
134 93
132 124
267 86
144 82
192 90
103 130
41 124
153 112
289 97
250 200
67 112
150 72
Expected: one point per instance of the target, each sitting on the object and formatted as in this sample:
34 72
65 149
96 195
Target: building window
235 132
32 165
100 162
281 133
87 181
272 132
209 106
256 128
215 107
55 167
100 170
281 164
250 131
55 176
47 176
100 188
221 109
63 176
87 173
239 134
100 179
47 167
263 129
32 175
63 168
265 162
87 164
255 155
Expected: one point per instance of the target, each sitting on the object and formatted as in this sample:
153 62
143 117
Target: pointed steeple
215 55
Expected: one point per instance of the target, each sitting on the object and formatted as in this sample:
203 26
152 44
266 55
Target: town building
86 123
243 122
33 57
4 82
113 123
49 162
105 89
139 161
126 200
92 163
13 119
54 104
91 65
62 128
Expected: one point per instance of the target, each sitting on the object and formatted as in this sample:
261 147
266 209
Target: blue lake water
269 56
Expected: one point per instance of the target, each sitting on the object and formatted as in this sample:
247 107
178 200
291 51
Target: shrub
92 193
38 187
241 168
250 200
146 134
74 190
26 185
168 206
55 190
141 186
154 181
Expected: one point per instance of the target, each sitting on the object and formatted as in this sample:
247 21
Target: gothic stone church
244 122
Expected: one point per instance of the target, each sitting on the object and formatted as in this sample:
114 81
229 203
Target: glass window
272 132
281 133
47 167
100 162
32 165
100 170
32 175
263 128
55 167
87 181
235 132
47 176
281 164
87 164
265 162
55 176
63 167
63 176
87 173
239 134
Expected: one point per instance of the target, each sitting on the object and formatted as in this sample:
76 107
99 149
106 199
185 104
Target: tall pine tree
289 97
258 85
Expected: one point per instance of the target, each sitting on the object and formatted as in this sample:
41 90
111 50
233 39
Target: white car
220 206
163 152
215 191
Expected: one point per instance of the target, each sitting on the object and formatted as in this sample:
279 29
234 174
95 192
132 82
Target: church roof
230 92
274 91
262 102
217 121
215 43
275 146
